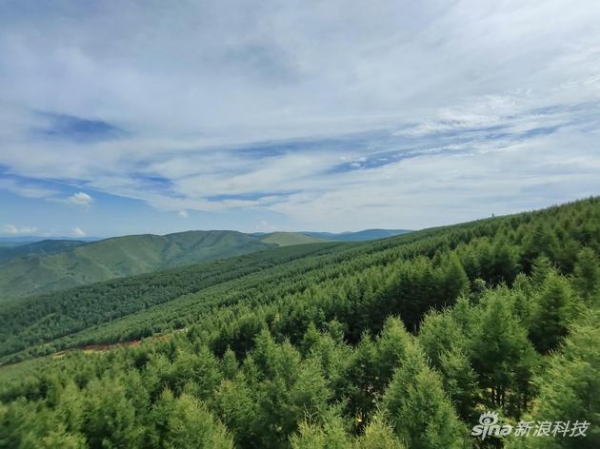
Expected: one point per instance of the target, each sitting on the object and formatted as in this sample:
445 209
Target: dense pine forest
398 343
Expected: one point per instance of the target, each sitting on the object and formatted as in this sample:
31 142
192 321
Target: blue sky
148 117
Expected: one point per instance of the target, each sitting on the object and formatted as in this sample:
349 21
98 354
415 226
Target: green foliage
554 306
329 435
378 435
503 356
64 313
389 344
190 425
570 388
587 276
419 410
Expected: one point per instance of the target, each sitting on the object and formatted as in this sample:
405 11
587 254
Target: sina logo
488 426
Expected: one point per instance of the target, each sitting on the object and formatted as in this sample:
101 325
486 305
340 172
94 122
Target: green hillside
290 238
38 319
117 257
37 248
53 265
399 343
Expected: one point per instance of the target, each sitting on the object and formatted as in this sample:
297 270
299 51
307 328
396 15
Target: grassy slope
117 257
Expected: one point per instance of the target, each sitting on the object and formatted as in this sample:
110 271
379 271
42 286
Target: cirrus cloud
387 114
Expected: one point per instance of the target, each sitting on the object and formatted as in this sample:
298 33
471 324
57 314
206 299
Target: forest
399 343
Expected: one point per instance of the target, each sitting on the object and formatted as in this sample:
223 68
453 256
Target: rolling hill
290 238
120 256
320 345
138 306
38 248
51 265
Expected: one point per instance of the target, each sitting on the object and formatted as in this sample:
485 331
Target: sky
154 117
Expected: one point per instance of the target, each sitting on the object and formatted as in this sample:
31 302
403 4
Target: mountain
290 238
38 248
116 257
336 344
360 236
25 239
137 306
20 240
77 309
50 265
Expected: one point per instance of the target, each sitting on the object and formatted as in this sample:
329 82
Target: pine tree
310 394
460 381
438 333
456 282
570 389
378 435
390 351
587 276
419 410
229 364
361 375
328 435
110 416
553 307
192 426
60 438
502 354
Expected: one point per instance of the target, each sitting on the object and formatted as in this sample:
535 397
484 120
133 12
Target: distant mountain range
38 247
360 236
28 267
22 240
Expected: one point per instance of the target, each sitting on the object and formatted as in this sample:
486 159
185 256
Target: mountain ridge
51 265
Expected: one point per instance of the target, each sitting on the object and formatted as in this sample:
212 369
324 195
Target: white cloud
443 92
183 214
12 229
78 232
25 189
81 199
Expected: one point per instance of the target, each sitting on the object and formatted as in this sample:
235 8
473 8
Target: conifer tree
110 416
456 282
391 348
378 435
587 276
418 408
229 364
502 354
570 390
554 305
328 435
191 426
